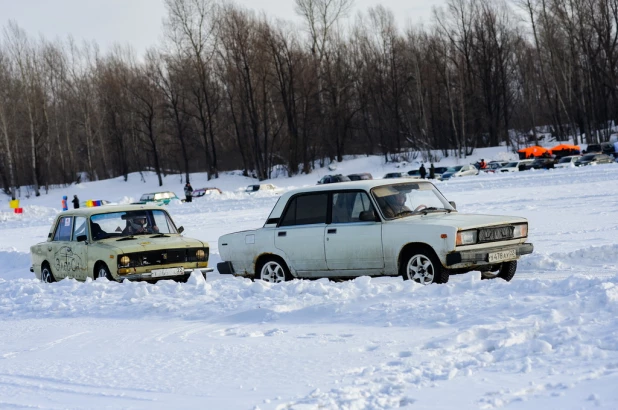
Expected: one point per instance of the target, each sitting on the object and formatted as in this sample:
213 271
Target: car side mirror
82 238
367 216
453 204
181 229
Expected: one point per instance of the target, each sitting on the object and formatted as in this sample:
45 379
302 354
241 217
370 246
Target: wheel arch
269 255
96 265
415 246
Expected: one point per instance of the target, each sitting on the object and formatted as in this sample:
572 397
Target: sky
548 339
139 22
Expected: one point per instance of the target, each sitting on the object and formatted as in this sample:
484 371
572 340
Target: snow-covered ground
548 339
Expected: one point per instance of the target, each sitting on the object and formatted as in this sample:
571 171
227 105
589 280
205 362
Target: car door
79 249
59 249
350 243
300 234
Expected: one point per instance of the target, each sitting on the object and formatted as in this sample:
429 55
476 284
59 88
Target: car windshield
511 165
252 188
147 197
588 157
400 200
565 159
129 223
454 169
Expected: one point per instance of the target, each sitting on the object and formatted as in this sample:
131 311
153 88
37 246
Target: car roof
95 210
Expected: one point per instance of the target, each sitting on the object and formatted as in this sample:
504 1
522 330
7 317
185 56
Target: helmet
138 221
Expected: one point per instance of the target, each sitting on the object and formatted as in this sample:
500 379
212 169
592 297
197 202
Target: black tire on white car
507 270
423 267
46 274
273 270
102 271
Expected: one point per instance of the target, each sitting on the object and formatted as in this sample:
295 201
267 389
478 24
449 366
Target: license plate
155 273
502 256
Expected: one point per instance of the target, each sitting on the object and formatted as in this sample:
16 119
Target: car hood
461 221
146 243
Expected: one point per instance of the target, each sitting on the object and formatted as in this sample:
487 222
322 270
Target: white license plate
155 273
502 256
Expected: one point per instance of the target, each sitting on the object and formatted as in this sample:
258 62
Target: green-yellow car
118 242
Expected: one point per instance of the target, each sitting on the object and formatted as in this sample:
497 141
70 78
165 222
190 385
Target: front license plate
502 256
155 273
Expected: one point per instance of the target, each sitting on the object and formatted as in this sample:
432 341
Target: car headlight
125 260
466 237
521 231
200 254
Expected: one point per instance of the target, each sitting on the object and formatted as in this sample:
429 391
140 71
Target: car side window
79 227
64 229
347 206
305 210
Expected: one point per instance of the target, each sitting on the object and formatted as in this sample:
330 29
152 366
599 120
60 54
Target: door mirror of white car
181 229
453 204
367 216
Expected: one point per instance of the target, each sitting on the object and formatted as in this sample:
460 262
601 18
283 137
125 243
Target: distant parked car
396 175
594 159
159 198
568 161
459 171
438 171
251 189
200 192
602 148
415 173
494 166
331 179
543 163
363 176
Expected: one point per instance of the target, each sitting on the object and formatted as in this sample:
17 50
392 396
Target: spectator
422 171
483 164
432 172
188 192
75 202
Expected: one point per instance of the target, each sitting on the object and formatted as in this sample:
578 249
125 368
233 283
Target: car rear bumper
225 268
481 256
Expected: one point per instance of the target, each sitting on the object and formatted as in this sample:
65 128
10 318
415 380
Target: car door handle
331 231
49 248
281 233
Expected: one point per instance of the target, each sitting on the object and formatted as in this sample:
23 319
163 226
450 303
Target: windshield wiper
433 208
126 238
403 213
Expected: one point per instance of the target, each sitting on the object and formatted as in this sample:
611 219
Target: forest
229 89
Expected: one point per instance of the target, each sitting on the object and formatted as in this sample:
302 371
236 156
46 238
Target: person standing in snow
432 172
75 202
422 171
188 192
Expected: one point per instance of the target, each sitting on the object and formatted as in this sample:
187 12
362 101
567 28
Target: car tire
507 270
47 275
423 266
102 271
273 270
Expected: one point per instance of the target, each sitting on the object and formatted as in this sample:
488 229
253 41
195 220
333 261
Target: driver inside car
395 205
137 225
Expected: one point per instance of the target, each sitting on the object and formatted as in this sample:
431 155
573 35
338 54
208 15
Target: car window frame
53 238
300 194
332 194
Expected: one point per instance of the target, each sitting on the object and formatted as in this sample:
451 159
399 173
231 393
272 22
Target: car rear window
305 210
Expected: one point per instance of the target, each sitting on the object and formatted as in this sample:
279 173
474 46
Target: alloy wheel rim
46 276
102 273
272 272
420 270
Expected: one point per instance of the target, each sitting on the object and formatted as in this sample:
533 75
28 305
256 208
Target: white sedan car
567 162
375 228
459 171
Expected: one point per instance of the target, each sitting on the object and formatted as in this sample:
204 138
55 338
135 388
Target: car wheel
274 271
102 271
423 267
46 274
507 270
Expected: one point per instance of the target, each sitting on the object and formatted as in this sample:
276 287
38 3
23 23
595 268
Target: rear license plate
502 256
155 273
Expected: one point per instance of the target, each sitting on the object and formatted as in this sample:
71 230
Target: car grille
499 233
164 257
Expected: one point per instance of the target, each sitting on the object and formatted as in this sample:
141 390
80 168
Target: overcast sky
139 22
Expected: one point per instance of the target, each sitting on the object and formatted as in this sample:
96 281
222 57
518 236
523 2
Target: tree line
229 89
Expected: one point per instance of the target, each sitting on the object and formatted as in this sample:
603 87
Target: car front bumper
225 268
148 275
481 256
